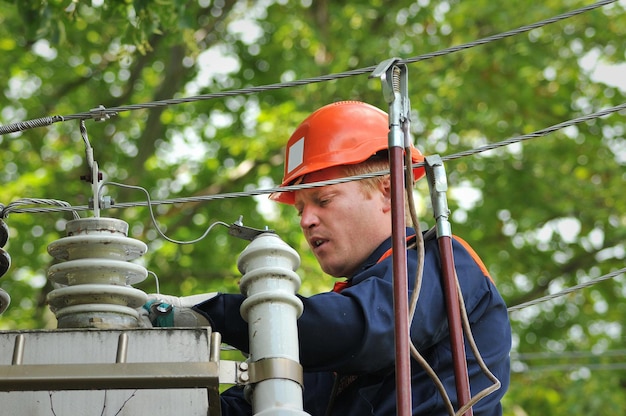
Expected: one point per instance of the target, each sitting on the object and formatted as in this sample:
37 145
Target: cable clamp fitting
237 229
100 114
105 202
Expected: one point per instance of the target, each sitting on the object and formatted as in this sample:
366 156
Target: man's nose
308 218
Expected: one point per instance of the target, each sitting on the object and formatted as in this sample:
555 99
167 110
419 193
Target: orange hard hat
341 133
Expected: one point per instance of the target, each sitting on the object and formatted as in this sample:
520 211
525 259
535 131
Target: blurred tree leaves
545 214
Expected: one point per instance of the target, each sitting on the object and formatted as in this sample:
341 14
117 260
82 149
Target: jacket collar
381 252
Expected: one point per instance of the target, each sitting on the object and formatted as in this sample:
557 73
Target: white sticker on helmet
296 155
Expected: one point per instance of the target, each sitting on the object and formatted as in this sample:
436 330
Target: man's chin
326 268
334 272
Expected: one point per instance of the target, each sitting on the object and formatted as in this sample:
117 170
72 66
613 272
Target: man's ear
384 186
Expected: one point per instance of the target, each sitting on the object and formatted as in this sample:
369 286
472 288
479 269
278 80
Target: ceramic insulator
93 282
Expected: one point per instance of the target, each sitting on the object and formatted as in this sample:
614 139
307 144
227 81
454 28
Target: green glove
173 311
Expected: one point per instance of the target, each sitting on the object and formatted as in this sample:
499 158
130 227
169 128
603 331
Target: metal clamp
394 79
438 184
100 114
273 368
246 233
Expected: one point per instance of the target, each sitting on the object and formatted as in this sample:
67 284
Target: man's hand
170 311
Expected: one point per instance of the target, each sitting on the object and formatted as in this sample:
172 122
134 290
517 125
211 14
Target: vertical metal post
94 174
18 350
438 186
122 348
395 91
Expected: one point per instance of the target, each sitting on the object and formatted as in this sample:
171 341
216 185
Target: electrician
346 336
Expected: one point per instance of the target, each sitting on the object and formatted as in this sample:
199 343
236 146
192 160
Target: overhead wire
19 206
102 113
572 367
156 224
569 290
530 362
59 206
567 354
5 210
12 207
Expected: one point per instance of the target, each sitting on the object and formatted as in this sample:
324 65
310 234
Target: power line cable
568 290
539 133
15 206
571 367
566 354
101 113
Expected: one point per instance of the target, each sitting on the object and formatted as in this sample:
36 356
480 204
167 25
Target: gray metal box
65 372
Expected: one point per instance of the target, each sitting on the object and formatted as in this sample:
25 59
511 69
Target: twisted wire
29 124
102 113
291 188
509 33
538 133
568 290
14 206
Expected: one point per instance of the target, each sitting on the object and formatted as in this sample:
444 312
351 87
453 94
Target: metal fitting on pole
438 185
394 81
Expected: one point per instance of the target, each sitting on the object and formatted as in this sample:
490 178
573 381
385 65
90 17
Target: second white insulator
271 309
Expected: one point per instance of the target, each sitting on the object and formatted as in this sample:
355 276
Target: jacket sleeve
353 331
331 328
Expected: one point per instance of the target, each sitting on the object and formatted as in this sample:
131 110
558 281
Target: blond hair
377 163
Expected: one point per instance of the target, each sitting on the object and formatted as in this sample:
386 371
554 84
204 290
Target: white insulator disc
101 271
98 295
99 316
97 246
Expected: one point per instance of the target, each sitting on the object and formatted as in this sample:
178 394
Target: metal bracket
394 80
385 71
94 176
233 372
100 114
438 185
272 368
246 233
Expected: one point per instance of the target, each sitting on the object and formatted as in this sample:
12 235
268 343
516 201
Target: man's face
342 223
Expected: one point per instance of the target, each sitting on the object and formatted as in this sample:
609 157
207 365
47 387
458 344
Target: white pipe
271 309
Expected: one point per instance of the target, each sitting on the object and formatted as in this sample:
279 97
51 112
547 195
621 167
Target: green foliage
548 213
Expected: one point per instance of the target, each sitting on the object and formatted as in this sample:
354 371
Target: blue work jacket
349 337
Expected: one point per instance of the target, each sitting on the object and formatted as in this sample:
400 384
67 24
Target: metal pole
438 187
393 79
